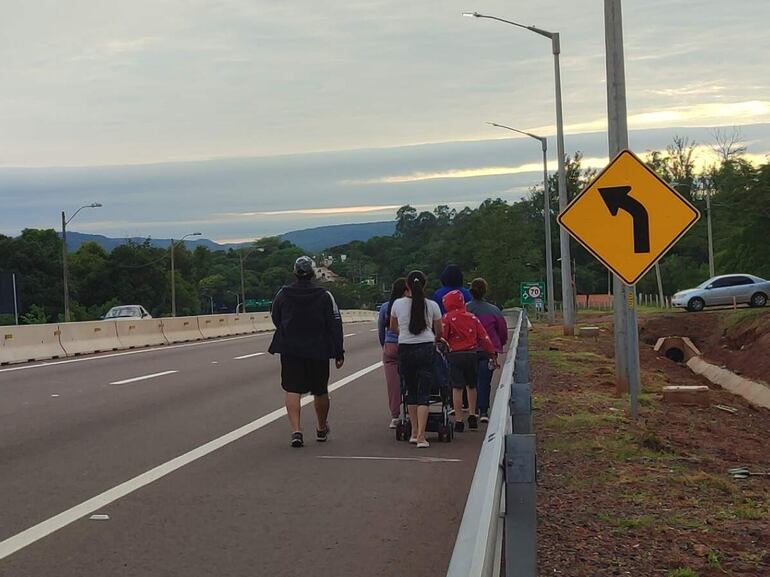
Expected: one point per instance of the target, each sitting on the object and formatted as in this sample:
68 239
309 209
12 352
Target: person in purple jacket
497 329
451 279
389 344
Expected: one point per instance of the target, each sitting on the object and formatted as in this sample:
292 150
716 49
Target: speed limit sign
531 292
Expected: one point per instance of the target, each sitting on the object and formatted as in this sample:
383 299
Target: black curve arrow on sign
616 197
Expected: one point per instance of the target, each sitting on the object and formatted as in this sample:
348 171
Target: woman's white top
402 311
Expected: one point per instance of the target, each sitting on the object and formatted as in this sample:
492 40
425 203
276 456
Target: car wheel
696 305
758 300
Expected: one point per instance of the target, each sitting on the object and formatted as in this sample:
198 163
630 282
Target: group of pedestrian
411 326
308 333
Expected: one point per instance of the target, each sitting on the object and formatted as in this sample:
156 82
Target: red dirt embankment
739 340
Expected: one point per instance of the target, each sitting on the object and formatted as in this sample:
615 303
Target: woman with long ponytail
389 344
417 321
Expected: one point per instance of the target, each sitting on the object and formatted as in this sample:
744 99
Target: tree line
499 240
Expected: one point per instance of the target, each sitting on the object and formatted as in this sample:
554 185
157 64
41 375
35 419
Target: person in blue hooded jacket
451 279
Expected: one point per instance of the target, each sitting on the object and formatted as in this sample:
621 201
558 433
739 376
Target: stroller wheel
400 432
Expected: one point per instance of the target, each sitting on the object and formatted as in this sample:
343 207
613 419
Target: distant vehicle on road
127 313
721 290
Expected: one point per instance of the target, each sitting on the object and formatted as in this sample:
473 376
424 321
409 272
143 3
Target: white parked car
127 313
724 290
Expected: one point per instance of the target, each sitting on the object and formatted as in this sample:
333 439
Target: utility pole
65 269
626 331
711 238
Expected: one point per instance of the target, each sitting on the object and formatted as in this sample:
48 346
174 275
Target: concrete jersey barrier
263 322
355 316
243 324
89 337
140 333
213 326
20 344
181 329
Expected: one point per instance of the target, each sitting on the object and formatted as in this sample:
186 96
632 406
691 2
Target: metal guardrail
498 528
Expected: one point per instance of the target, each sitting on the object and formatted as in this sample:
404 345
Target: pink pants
392 378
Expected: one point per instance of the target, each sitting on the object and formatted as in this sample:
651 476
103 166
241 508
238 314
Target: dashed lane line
248 356
143 378
45 528
350 335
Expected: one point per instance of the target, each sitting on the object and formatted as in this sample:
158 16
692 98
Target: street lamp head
96 205
471 14
196 234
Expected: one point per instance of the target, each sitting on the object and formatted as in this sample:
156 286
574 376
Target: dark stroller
439 403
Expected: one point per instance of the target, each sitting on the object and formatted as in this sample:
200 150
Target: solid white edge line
134 352
45 528
248 356
143 378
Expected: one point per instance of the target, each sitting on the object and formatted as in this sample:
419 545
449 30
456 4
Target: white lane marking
143 378
248 356
136 352
373 330
350 335
45 528
416 459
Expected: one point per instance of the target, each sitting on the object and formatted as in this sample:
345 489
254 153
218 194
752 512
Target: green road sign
258 304
532 293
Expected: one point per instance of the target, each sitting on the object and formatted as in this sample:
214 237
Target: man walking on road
308 332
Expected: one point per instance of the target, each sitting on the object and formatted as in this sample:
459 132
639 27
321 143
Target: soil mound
739 340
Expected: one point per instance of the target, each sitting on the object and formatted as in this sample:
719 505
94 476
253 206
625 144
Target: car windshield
122 312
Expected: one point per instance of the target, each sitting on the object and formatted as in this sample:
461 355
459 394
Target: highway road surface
175 461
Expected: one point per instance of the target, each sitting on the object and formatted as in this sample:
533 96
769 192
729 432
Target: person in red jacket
464 334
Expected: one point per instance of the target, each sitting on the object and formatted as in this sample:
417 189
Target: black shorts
463 368
301 375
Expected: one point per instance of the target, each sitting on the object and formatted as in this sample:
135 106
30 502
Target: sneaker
320 436
394 423
296 440
459 426
423 445
413 440
451 412
473 422
484 418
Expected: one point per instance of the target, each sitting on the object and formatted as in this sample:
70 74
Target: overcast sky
90 83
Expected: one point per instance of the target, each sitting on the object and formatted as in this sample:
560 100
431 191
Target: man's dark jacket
307 322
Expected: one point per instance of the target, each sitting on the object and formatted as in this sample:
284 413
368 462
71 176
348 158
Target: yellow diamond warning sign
628 217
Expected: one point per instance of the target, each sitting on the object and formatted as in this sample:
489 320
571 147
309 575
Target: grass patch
578 363
701 480
627 522
682 522
682 572
750 511
580 421
712 559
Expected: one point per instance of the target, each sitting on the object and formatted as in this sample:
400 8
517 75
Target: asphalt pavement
182 455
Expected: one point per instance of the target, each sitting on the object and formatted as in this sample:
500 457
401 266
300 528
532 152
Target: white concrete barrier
262 322
181 329
212 326
243 324
89 337
24 343
140 333
357 316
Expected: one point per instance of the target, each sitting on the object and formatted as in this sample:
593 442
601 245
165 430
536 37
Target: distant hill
311 239
322 237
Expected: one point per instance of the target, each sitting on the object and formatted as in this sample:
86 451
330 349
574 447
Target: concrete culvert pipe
675 354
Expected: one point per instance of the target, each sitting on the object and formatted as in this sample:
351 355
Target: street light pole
65 267
711 237
243 256
173 271
568 305
547 219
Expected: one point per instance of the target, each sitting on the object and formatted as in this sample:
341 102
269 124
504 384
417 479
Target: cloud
320 211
